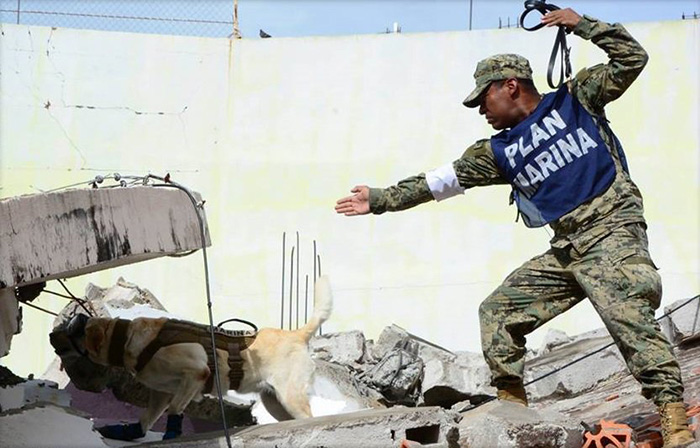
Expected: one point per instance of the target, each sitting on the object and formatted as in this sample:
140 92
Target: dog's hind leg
292 388
157 404
273 406
190 386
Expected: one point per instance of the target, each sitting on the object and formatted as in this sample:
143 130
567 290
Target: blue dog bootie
126 432
173 427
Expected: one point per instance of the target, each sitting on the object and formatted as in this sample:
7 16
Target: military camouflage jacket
594 87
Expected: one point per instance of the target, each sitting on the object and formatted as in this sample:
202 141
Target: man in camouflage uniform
599 249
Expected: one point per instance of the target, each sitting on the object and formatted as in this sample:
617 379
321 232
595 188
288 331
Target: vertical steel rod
314 262
470 13
306 300
320 329
284 234
291 284
298 272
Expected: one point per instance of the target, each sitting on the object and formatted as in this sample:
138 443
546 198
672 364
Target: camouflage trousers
620 280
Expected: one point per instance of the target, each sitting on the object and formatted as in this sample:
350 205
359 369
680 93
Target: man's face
497 105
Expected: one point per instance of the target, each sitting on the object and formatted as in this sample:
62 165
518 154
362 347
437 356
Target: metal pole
314 261
284 234
320 328
470 13
18 12
236 31
306 299
298 271
291 284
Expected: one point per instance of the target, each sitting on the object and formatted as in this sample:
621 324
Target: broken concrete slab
509 425
123 300
430 426
447 383
45 425
393 335
346 347
10 319
397 376
574 381
684 322
30 392
73 232
337 382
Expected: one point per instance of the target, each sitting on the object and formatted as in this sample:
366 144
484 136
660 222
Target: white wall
271 132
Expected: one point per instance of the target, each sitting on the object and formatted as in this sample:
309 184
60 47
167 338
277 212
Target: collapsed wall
73 232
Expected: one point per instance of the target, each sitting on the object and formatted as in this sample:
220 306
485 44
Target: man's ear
94 337
513 86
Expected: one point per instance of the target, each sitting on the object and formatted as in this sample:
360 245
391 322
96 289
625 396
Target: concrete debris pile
397 391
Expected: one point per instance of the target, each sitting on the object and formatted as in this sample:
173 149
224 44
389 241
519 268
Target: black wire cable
170 184
588 355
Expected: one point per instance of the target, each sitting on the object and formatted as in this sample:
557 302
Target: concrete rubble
399 390
684 323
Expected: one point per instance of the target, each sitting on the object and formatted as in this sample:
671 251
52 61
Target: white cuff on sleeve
443 182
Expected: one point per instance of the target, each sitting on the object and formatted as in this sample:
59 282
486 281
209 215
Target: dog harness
178 332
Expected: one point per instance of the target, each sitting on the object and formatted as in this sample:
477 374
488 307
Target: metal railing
208 18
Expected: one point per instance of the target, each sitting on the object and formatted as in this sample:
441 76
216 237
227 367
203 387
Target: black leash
560 46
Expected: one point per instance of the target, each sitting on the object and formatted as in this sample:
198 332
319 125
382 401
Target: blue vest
555 159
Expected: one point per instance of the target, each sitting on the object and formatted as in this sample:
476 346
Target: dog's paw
173 427
127 432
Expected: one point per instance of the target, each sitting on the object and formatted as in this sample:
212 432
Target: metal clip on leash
559 42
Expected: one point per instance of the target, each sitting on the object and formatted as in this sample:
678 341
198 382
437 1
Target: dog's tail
323 304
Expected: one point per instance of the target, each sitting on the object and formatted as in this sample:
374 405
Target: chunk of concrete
10 319
553 339
383 428
398 375
683 322
341 348
447 383
333 382
48 425
393 334
73 232
504 424
579 377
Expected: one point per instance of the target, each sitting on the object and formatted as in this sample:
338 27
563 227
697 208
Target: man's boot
516 394
674 426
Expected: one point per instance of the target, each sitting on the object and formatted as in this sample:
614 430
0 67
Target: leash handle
540 6
243 321
560 47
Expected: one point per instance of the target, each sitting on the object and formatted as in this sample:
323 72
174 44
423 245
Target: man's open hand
357 204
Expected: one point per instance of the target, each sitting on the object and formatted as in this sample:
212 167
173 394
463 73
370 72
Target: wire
168 183
588 355
197 207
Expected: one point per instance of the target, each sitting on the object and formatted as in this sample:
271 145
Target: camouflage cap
495 68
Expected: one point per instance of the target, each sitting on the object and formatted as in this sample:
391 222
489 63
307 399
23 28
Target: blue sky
331 17
293 18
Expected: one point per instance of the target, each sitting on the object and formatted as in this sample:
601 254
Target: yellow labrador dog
174 359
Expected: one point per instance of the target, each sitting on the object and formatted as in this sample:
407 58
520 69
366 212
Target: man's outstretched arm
406 194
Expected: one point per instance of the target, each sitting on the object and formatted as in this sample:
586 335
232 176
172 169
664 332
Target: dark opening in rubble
424 434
